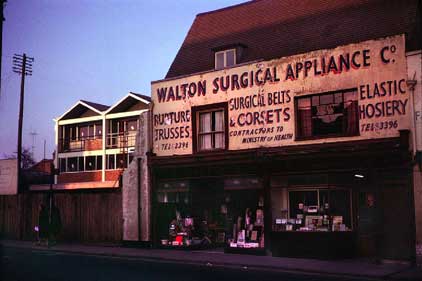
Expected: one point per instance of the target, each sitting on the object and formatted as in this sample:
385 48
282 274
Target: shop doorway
368 228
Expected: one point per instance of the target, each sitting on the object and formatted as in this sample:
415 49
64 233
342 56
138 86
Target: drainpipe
104 162
411 84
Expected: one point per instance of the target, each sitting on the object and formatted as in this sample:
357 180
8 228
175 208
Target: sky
96 50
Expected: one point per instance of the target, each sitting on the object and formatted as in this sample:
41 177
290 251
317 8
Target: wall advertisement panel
353 92
8 176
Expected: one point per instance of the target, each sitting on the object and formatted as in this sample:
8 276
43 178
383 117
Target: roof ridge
229 7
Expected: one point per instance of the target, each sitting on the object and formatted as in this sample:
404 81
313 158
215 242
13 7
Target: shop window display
322 210
208 214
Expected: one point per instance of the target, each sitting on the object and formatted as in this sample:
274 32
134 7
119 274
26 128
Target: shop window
72 164
225 58
328 114
211 128
316 210
90 163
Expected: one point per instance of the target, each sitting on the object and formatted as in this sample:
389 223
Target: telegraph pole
2 3
21 65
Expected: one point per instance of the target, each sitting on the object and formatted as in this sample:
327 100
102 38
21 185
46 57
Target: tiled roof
276 28
142 96
97 106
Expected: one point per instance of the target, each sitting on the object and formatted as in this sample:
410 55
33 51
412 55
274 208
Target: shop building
285 128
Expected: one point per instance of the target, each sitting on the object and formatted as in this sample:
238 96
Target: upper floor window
225 58
331 114
211 127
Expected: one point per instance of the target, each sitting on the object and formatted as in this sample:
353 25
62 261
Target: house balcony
85 144
121 140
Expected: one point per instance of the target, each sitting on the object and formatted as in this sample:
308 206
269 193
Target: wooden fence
87 216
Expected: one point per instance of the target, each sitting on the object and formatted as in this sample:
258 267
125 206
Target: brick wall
96 144
112 175
79 177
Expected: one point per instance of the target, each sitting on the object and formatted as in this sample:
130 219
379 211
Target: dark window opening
328 114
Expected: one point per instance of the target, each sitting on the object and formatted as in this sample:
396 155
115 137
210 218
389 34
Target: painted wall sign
8 177
263 98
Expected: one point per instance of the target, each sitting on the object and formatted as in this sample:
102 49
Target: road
22 264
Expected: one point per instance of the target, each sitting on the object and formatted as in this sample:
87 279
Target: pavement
356 268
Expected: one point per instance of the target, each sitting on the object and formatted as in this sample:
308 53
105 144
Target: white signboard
353 92
414 70
8 177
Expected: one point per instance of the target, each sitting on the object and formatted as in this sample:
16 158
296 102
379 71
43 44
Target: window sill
205 152
325 137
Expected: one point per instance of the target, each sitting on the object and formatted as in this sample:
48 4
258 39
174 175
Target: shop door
367 223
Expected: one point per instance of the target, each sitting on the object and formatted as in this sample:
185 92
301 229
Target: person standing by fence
55 224
43 225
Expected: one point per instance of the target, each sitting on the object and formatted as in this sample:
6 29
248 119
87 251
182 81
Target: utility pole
21 65
2 4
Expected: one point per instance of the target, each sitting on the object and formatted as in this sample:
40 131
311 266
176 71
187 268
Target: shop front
335 202
304 156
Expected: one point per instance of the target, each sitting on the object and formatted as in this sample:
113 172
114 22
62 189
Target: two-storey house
95 143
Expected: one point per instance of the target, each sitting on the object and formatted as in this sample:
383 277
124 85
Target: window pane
219 60
340 206
304 102
350 96
132 125
351 118
315 100
121 161
110 162
305 122
230 58
91 131
62 162
205 122
81 164
219 120
219 140
98 129
205 142
99 162
72 164
300 201
83 132
326 99
338 98
90 163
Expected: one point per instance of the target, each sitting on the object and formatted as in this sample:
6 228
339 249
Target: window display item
254 235
188 222
312 209
259 217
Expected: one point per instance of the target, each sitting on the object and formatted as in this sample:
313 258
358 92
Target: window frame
196 111
298 137
328 189
224 52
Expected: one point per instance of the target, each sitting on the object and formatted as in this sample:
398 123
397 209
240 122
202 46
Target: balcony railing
121 140
83 144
